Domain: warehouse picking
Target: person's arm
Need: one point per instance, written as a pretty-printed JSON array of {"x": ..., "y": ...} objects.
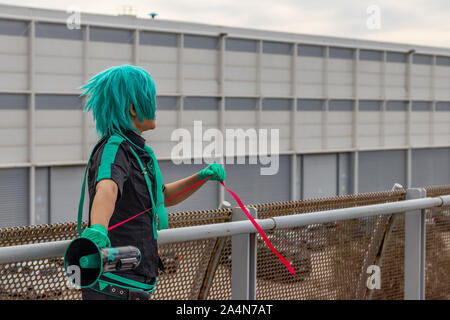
[
  {"x": 104, "y": 202},
  {"x": 216, "y": 171},
  {"x": 177, "y": 186},
  {"x": 102, "y": 209}
]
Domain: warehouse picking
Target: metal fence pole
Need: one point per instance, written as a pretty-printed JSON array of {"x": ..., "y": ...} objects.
[
  {"x": 243, "y": 260},
  {"x": 415, "y": 249}
]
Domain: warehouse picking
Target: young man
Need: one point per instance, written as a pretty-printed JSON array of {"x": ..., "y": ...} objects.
[{"x": 124, "y": 179}]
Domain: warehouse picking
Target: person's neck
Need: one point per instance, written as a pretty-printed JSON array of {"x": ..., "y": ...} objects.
[{"x": 137, "y": 131}]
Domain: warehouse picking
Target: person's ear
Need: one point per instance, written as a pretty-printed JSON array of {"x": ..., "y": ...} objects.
[{"x": 132, "y": 111}]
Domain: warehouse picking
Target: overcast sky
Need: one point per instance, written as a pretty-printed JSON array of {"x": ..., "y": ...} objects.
[{"x": 423, "y": 22}]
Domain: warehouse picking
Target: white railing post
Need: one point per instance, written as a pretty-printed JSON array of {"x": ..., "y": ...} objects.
[
  {"x": 243, "y": 260},
  {"x": 415, "y": 248}
]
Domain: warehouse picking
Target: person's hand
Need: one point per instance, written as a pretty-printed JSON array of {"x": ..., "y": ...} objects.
[
  {"x": 216, "y": 170},
  {"x": 97, "y": 234}
]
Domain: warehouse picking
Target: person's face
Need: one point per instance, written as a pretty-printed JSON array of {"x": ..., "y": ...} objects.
[{"x": 146, "y": 124}]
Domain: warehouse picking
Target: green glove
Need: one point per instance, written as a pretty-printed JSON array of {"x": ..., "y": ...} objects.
[
  {"x": 216, "y": 170},
  {"x": 97, "y": 234}
]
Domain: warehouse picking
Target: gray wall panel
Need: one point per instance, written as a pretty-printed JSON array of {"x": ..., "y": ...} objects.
[
  {"x": 204, "y": 198},
  {"x": 422, "y": 59},
  {"x": 310, "y": 104},
  {"x": 242, "y": 45},
  {"x": 320, "y": 174},
  {"x": 201, "y": 103},
  {"x": 380, "y": 170},
  {"x": 13, "y": 101},
  {"x": 396, "y": 105},
  {"x": 42, "y": 203},
  {"x": 241, "y": 103},
  {"x": 341, "y": 53},
  {"x": 277, "y": 48},
  {"x": 430, "y": 167},
  {"x": 163, "y": 39},
  {"x": 201, "y": 42},
  {"x": 14, "y": 197},
  {"x": 442, "y": 106},
  {"x": 396, "y": 57},
  {"x": 166, "y": 103},
  {"x": 443, "y": 61},
  {"x": 298, "y": 183},
  {"x": 371, "y": 55},
  {"x": 111, "y": 35},
  {"x": 421, "y": 106},
  {"x": 58, "y": 102},
  {"x": 310, "y": 50},
  {"x": 58, "y": 31},
  {"x": 345, "y": 173},
  {"x": 13, "y": 27},
  {"x": 247, "y": 182},
  {"x": 276, "y": 104},
  {"x": 370, "y": 105},
  {"x": 341, "y": 105},
  {"x": 65, "y": 188}
]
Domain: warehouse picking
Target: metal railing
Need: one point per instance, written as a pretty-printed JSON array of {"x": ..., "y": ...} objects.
[{"x": 247, "y": 255}]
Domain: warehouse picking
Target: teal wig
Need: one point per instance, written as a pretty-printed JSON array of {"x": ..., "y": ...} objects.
[{"x": 111, "y": 92}]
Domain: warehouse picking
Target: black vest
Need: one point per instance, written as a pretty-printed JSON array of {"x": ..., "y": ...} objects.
[{"x": 132, "y": 199}]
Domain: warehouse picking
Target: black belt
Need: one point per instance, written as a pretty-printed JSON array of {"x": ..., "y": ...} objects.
[{"x": 122, "y": 293}]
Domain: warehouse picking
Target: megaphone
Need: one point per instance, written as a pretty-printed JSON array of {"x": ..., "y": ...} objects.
[{"x": 85, "y": 262}]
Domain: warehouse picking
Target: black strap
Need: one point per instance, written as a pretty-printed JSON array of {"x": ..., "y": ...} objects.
[{"x": 122, "y": 293}]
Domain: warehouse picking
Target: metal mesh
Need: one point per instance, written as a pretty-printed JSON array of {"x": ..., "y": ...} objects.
[
  {"x": 220, "y": 288},
  {"x": 45, "y": 279},
  {"x": 391, "y": 261},
  {"x": 330, "y": 259},
  {"x": 42, "y": 279},
  {"x": 437, "y": 249},
  {"x": 186, "y": 269}
]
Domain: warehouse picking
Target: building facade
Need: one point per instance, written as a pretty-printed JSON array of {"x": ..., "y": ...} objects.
[{"x": 353, "y": 116}]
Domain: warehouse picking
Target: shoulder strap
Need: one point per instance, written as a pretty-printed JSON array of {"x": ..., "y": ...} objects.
[
  {"x": 104, "y": 170},
  {"x": 83, "y": 188},
  {"x": 129, "y": 282},
  {"x": 163, "y": 219},
  {"x": 108, "y": 156},
  {"x": 81, "y": 202}
]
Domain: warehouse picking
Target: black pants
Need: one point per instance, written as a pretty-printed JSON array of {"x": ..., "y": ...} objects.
[{"x": 89, "y": 294}]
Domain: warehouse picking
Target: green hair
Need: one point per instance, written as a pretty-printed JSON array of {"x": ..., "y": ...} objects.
[{"x": 111, "y": 92}]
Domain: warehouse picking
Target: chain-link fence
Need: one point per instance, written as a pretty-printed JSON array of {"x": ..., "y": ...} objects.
[
  {"x": 330, "y": 259},
  {"x": 437, "y": 252}
]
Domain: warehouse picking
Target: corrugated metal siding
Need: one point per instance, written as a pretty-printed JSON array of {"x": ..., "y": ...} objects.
[
  {"x": 380, "y": 170},
  {"x": 207, "y": 197},
  {"x": 430, "y": 167},
  {"x": 319, "y": 176},
  {"x": 252, "y": 187},
  {"x": 65, "y": 188},
  {"x": 14, "y": 197},
  {"x": 42, "y": 202}
]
